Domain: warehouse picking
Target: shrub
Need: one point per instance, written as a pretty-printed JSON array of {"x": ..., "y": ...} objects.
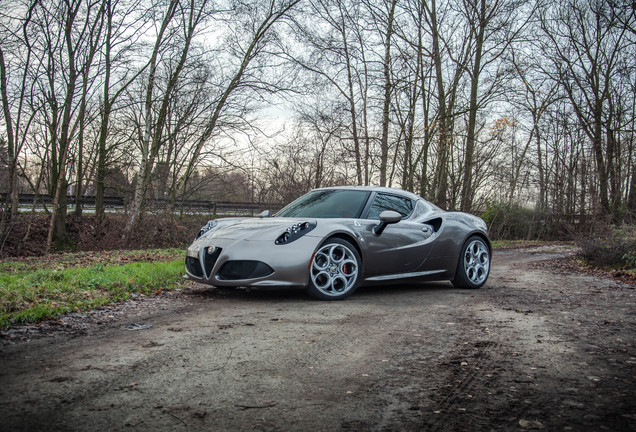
[
  {"x": 28, "y": 236},
  {"x": 515, "y": 222},
  {"x": 614, "y": 248}
]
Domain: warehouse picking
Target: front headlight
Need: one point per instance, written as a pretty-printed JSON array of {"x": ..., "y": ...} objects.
[
  {"x": 294, "y": 232},
  {"x": 207, "y": 227}
]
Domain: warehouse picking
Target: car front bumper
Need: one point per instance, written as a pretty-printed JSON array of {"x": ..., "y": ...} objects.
[{"x": 224, "y": 262}]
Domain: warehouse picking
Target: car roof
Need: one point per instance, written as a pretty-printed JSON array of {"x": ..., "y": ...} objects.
[{"x": 376, "y": 189}]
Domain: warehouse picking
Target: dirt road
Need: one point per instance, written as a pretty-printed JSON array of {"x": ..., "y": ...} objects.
[{"x": 533, "y": 349}]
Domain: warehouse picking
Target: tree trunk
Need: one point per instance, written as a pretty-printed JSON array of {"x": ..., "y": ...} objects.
[
  {"x": 388, "y": 87},
  {"x": 11, "y": 200},
  {"x": 441, "y": 166},
  {"x": 57, "y": 228},
  {"x": 631, "y": 200},
  {"x": 467, "y": 188},
  {"x": 601, "y": 168},
  {"x": 150, "y": 142},
  {"x": 351, "y": 97}
]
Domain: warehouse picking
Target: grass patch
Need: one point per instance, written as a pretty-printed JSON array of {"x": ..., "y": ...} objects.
[
  {"x": 510, "y": 244},
  {"x": 62, "y": 261},
  {"x": 29, "y": 295}
]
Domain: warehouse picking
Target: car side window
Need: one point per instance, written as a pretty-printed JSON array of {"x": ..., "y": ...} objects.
[{"x": 383, "y": 202}]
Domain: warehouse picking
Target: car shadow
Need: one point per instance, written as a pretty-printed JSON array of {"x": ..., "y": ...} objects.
[
  {"x": 271, "y": 294},
  {"x": 290, "y": 294},
  {"x": 404, "y": 288}
]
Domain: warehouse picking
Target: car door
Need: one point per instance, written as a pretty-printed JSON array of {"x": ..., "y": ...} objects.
[{"x": 403, "y": 246}]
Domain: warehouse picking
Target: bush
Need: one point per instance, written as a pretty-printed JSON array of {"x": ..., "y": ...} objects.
[
  {"x": 516, "y": 222},
  {"x": 509, "y": 222},
  {"x": 614, "y": 248},
  {"x": 27, "y": 236}
]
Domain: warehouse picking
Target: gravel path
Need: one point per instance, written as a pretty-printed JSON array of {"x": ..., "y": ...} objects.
[{"x": 534, "y": 349}]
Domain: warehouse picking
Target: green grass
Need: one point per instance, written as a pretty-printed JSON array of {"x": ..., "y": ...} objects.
[
  {"x": 508, "y": 244},
  {"x": 29, "y": 295},
  {"x": 89, "y": 259}
]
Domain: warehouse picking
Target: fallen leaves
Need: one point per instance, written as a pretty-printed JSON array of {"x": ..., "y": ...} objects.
[{"x": 574, "y": 264}]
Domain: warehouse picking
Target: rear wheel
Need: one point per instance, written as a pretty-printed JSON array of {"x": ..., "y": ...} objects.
[
  {"x": 474, "y": 264},
  {"x": 335, "y": 270}
]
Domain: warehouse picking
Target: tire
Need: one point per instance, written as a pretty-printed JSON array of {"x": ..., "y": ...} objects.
[
  {"x": 473, "y": 266},
  {"x": 335, "y": 270}
]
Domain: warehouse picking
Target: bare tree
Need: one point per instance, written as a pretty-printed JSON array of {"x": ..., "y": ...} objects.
[
  {"x": 14, "y": 110},
  {"x": 535, "y": 98},
  {"x": 68, "y": 13},
  {"x": 585, "y": 43},
  {"x": 153, "y": 136},
  {"x": 446, "y": 98},
  {"x": 119, "y": 38},
  {"x": 310, "y": 158},
  {"x": 495, "y": 27},
  {"x": 94, "y": 28},
  {"x": 333, "y": 54},
  {"x": 388, "y": 89},
  {"x": 256, "y": 43},
  {"x": 413, "y": 84}
]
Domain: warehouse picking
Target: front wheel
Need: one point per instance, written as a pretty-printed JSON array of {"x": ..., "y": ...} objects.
[
  {"x": 335, "y": 270},
  {"x": 474, "y": 264}
]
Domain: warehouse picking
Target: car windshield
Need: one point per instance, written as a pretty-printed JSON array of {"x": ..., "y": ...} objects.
[{"x": 327, "y": 203}]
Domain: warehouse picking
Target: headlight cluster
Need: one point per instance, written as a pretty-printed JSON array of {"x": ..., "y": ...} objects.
[
  {"x": 207, "y": 227},
  {"x": 294, "y": 232}
]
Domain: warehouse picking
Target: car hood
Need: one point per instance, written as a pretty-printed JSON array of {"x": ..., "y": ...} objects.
[{"x": 254, "y": 229}]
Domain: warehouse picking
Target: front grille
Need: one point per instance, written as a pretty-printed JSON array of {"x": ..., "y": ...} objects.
[
  {"x": 209, "y": 259},
  {"x": 237, "y": 270},
  {"x": 194, "y": 267}
]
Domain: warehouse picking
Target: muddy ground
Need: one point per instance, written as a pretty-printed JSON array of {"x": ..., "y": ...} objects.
[{"x": 536, "y": 348}]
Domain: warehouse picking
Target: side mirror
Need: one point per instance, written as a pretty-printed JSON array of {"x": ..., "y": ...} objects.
[
  {"x": 264, "y": 214},
  {"x": 386, "y": 217}
]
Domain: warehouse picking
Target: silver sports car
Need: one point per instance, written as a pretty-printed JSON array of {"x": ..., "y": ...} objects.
[{"x": 333, "y": 240}]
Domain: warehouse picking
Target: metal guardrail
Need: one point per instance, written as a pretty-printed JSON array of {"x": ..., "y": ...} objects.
[
  {"x": 27, "y": 199},
  {"x": 213, "y": 207}
]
